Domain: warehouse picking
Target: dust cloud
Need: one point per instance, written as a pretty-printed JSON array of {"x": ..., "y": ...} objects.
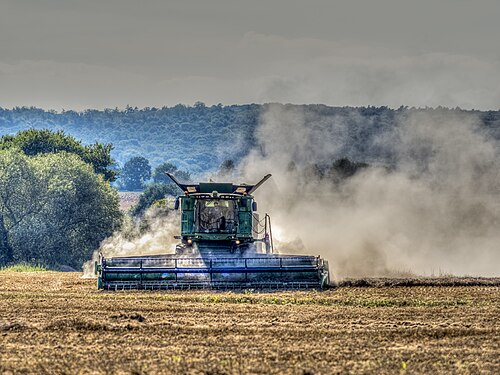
[
  {"x": 151, "y": 235},
  {"x": 429, "y": 207}
]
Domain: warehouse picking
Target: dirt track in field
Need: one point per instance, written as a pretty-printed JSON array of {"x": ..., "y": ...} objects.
[{"x": 59, "y": 323}]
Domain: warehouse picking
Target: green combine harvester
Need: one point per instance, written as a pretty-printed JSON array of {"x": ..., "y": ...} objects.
[{"x": 224, "y": 244}]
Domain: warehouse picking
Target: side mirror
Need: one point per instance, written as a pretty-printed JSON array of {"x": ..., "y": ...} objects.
[
  {"x": 254, "y": 206},
  {"x": 176, "y": 204}
]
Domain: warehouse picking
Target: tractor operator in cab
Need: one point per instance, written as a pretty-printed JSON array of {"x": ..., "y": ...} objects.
[{"x": 214, "y": 215}]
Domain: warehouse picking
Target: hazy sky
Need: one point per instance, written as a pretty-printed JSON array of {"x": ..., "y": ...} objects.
[{"x": 104, "y": 53}]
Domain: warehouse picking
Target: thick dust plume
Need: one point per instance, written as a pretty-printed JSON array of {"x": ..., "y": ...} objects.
[
  {"x": 430, "y": 207},
  {"x": 151, "y": 235}
]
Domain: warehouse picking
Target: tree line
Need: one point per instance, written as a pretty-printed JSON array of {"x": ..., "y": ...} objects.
[{"x": 199, "y": 138}]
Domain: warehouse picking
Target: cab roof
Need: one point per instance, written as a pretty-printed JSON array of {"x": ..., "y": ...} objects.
[{"x": 220, "y": 187}]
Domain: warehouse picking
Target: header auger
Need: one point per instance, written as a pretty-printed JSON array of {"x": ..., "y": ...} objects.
[{"x": 223, "y": 245}]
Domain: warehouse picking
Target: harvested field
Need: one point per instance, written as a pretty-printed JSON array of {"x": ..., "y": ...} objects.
[
  {"x": 128, "y": 199},
  {"x": 59, "y": 323}
]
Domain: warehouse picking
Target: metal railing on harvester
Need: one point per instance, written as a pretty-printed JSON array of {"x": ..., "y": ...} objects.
[{"x": 274, "y": 272}]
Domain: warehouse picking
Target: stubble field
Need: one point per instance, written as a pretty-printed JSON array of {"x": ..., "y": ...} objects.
[{"x": 59, "y": 323}]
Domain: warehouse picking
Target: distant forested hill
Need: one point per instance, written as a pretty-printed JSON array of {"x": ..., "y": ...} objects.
[
  {"x": 197, "y": 138},
  {"x": 193, "y": 138}
]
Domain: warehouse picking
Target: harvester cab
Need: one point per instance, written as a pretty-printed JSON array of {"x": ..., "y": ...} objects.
[
  {"x": 219, "y": 219},
  {"x": 224, "y": 244}
]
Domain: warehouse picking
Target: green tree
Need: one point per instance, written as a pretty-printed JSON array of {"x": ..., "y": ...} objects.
[
  {"x": 34, "y": 142},
  {"x": 54, "y": 209},
  {"x": 151, "y": 194},
  {"x": 135, "y": 173},
  {"x": 20, "y": 187},
  {"x": 160, "y": 173}
]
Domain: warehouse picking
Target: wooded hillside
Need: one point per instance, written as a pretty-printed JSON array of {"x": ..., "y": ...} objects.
[{"x": 199, "y": 138}]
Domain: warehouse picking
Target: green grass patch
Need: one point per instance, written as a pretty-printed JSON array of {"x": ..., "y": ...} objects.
[{"x": 24, "y": 267}]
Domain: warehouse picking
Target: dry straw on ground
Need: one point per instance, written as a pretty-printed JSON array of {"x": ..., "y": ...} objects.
[{"x": 60, "y": 323}]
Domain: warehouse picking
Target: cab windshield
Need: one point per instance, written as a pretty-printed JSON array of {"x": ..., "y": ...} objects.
[{"x": 215, "y": 216}]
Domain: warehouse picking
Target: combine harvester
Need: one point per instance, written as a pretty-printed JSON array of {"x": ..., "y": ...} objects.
[{"x": 223, "y": 245}]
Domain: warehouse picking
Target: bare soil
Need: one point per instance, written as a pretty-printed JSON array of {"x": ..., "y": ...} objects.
[{"x": 58, "y": 323}]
